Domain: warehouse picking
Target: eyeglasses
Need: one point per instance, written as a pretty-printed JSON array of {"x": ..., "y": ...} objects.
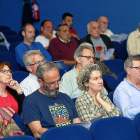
[
  {"x": 6, "y": 71},
  {"x": 88, "y": 57},
  {"x": 52, "y": 84},
  {"x": 138, "y": 68},
  {"x": 104, "y": 22},
  {"x": 37, "y": 62}
]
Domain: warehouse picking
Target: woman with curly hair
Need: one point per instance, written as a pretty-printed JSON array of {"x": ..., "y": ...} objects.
[{"x": 93, "y": 103}]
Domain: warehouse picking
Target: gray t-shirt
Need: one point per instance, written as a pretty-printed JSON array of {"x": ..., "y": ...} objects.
[{"x": 99, "y": 47}]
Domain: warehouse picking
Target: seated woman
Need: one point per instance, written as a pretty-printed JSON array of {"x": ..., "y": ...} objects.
[
  {"x": 93, "y": 103},
  {"x": 11, "y": 94}
]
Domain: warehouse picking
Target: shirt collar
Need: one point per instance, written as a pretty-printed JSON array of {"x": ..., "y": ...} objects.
[
  {"x": 63, "y": 40},
  {"x": 33, "y": 77}
]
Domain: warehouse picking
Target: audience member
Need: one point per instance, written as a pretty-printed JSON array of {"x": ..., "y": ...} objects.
[
  {"x": 103, "y": 26},
  {"x": 46, "y": 107},
  {"x": 83, "y": 56},
  {"x": 11, "y": 94},
  {"x": 28, "y": 33},
  {"x": 101, "y": 43},
  {"x": 133, "y": 42},
  {"x": 127, "y": 94},
  {"x": 63, "y": 47},
  {"x": 67, "y": 18},
  {"x": 31, "y": 60},
  {"x": 47, "y": 33},
  {"x": 93, "y": 103},
  {"x": 3, "y": 41}
]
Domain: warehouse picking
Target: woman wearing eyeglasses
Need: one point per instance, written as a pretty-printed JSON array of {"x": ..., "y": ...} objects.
[
  {"x": 11, "y": 94},
  {"x": 93, "y": 103}
]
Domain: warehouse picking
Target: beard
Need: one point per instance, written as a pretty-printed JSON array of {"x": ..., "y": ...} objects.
[
  {"x": 49, "y": 92},
  {"x": 103, "y": 29}
]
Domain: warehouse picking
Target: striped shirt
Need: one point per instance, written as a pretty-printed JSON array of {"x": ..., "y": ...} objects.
[{"x": 29, "y": 84}]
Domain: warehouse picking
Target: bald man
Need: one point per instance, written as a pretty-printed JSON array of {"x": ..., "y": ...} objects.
[
  {"x": 103, "y": 26},
  {"x": 101, "y": 43}
]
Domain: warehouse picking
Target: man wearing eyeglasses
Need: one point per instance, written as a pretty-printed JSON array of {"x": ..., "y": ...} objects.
[
  {"x": 101, "y": 43},
  {"x": 31, "y": 60},
  {"x": 83, "y": 56},
  {"x": 127, "y": 95},
  {"x": 103, "y": 26},
  {"x": 47, "y": 107}
]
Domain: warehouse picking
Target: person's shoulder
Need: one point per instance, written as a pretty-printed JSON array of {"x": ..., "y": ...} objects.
[
  {"x": 19, "y": 45},
  {"x": 32, "y": 96},
  {"x": 85, "y": 39},
  {"x": 104, "y": 36},
  {"x": 133, "y": 33},
  {"x": 38, "y": 37},
  {"x": 69, "y": 74}
]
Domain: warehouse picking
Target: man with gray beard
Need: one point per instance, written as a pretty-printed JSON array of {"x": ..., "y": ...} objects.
[
  {"x": 63, "y": 47},
  {"x": 47, "y": 107}
]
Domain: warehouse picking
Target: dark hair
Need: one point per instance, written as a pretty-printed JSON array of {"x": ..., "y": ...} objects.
[
  {"x": 65, "y": 15},
  {"x": 43, "y": 22},
  {"x": 2, "y": 64},
  {"x": 58, "y": 28},
  {"x": 24, "y": 27}
]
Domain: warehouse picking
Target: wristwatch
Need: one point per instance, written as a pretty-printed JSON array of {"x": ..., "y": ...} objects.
[{"x": 20, "y": 93}]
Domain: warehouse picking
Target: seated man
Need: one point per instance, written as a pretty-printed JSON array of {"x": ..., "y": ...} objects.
[
  {"x": 31, "y": 60},
  {"x": 101, "y": 43},
  {"x": 133, "y": 42},
  {"x": 83, "y": 56},
  {"x": 46, "y": 107},
  {"x": 28, "y": 32},
  {"x": 67, "y": 18},
  {"x": 63, "y": 47},
  {"x": 103, "y": 26},
  {"x": 127, "y": 95},
  {"x": 47, "y": 33}
]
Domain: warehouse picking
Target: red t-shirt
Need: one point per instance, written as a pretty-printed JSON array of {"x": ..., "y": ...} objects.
[
  {"x": 73, "y": 31},
  {"x": 9, "y": 101}
]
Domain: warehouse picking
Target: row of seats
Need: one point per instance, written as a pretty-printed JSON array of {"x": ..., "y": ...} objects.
[{"x": 113, "y": 128}]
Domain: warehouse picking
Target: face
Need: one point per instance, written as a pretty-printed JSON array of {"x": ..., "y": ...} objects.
[
  {"x": 36, "y": 60},
  {"x": 47, "y": 28},
  {"x": 134, "y": 72},
  {"x": 85, "y": 60},
  {"x": 95, "y": 82},
  {"x": 64, "y": 33},
  {"x": 29, "y": 34},
  {"x": 5, "y": 78},
  {"x": 94, "y": 29},
  {"x": 103, "y": 23},
  {"x": 49, "y": 78},
  {"x": 69, "y": 21}
]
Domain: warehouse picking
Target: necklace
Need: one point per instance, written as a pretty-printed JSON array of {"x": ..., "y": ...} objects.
[{"x": 5, "y": 101}]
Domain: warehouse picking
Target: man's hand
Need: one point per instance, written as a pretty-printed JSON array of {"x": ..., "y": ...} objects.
[
  {"x": 75, "y": 36},
  {"x": 102, "y": 58},
  {"x": 112, "y": 57}
]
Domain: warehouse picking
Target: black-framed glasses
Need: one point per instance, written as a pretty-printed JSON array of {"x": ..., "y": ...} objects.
[
  {"x": 138, "y": 68},
  {"x": 6, "y": 71},
  {"x": 88, "y": 57},
  {"x": 37, "y": 62},
  {"x": 52, "y": 84}
]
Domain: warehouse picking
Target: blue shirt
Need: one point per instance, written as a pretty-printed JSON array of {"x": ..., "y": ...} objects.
[
  {"x": 127, "y": 98},
  {"x": 50, "y": 111},
  {"x": 22, "y": 48}
]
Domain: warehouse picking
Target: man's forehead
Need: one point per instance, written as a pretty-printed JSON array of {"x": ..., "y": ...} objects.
[
  {"x": 68, "y": 17},
  {"x": 64, "y": 27},
  {"x": 48, "y": 23},
  {"x": 87, "y": 52},
  {"x": 136, "y": 62}
]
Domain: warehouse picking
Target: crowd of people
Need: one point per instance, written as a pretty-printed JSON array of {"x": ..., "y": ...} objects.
[{"x": 45, "y": 100}]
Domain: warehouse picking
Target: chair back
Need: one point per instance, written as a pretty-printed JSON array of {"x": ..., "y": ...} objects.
[
  {"x": 137, "y": 124},
  {"x": 121, "y": 76},
  {"x": 2, "y": 28},
  {"x": 113, "y": 128},
  {"x": 115, "y": 65},
  {"x": 69, "y": 132},
  {"x": 3, "y": 48},
  {"x": 10, "y": 58},
  {"x": 14, "y": 38},
  {"x": 9, "y": 33},
  {"x": 110, "y": 95},
  {"x": 13, "y": 46},
  {"x": 20, "y": 75},
  {"x": 111, "y": 81}
]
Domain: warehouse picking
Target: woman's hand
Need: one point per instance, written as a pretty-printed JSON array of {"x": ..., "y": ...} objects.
[{"x": 14, "y": 85}]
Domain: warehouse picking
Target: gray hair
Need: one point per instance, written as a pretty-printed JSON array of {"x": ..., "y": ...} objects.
[
  {"x": 84, "y": 75},
  {"x": 80, "y": 49},
  {"x": 44, "y": 66},
  {"x": 129, "y": 61},
  {"x": 27, "y": 56},
  {"x": 88, "y": 26}
]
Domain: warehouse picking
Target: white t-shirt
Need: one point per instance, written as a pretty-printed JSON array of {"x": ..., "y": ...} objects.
[{"x": 43, "y": 40}]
